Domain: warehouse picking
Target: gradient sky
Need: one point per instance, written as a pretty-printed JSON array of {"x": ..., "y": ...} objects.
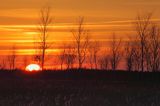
[
  {"x": 25, "y": 11},
  {"x": 101, "y": 12},
  {"x": 19, "y": 18}
]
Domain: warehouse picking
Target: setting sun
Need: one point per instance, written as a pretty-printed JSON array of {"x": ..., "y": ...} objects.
[{"x": 33, "y": 67}]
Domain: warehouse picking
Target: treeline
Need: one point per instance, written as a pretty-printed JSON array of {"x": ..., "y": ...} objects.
[{"x": 141, "y": 52}]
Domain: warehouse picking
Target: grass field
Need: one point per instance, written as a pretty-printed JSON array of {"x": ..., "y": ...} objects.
[{"x": 79, "y": 88}]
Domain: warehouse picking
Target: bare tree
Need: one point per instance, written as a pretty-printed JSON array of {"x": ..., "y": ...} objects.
[
  {"x": 25, "y": 61},
  {"x": 70, "y": 56},
  {"x": 142, "y": 25},
  {"x": 12, "y": 58},
  {"x": 133, "y": 55},
  {"x": 136, "y": 57},
  {"x": 44, "y": 23},
  {"x": 61, "y": 56},
  {"x": 3, "y": 64},
  {"x": 152, "y": 49},
  {"x": 115, "y": 52},
  {"x": 67, "y": 56},
  {"x": 94, "y": 48},
  {"x": 81, "y": 37},
  {"x": 91, "y": 58},
  {"x": 104, "y": 62},
  {"x": 130, "y": 55}
]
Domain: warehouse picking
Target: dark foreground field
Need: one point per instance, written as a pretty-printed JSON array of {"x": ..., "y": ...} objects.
[{"x": 79, "y": 88}]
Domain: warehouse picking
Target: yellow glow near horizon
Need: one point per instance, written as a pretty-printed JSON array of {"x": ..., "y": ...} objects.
[{"x": 33, "y": 67}]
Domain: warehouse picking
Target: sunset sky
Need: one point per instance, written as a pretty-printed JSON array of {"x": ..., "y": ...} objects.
[{"x": 19, "y": 18}]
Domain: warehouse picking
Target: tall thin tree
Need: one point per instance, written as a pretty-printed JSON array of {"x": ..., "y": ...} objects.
[
  {"x": 115, "y": 52},
  {"x": 44, "y": 23},
  {"x": 81, "y": 37},
  {"x": 142, "y": 24}
]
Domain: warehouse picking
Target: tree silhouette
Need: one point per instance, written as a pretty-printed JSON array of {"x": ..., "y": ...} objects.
[
  {"x": 81, "y": 37},
  {"x": 115, "y": 52},
  {"x": 70, "y": 56},
  {"x": 152, "y": 48},
  {"x": 12, "y": 58},
  {"x": 104, "y": 62},
  {"x": 3, "y": 64},
  {"x": 25, "y": 61},
  {"x": 61, "y": 56},
  {"x": 44, "y": 23},
  {"x": 130, "y": 55},
  {"x": 94, "y": 48},
  {"x": 142, "y": 25}
]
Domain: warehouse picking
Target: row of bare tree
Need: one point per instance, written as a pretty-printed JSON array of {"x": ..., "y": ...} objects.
[
  {"x": 139, "y": 53},
  {"x": 10, "y": 60},
  {"x": 143, "y": 52}
]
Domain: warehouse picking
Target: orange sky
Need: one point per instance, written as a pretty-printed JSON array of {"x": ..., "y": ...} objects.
[{"x": 19, "y": 18}]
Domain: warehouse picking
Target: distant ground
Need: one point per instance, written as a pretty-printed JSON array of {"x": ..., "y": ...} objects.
[{"x": 79, "y": 88}]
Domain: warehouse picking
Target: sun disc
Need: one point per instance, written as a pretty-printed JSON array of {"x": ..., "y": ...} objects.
[{"x": 33, "y": 67}]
